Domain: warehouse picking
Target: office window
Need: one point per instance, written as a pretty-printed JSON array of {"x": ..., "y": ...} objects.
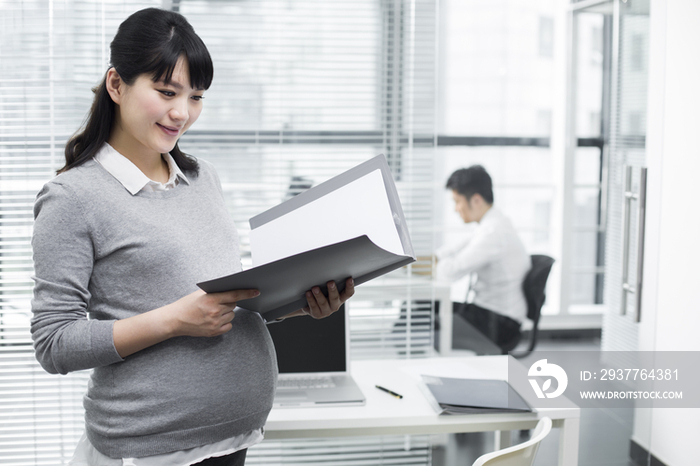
[
  {"x": 302, "y": 91},
  {"x": 544, "y": 123},
  {"x": 636, "y": 125},
  {"x": 594, "y": 119},
  {"x": 496, "y": 110},
  {"x": 597, "y": 44},
  {"x": 51, "y": 54},
  {"x": 546, "y": 36},
  {"x": 586, "y": 238},
  {"x": 637, "y": 52},
  {"x": 305, "y": 90}
]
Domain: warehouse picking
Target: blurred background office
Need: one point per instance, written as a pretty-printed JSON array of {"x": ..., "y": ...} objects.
[{"x": 552, "y": 97}]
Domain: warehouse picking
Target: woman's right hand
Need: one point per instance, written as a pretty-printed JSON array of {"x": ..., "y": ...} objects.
[
  {"x": 198, "y": 314},
  {"x": 201, "y": 314}
]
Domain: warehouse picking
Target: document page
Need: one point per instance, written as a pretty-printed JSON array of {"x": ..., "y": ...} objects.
[
  {"x": 349, "y": 226},
  {"x": 361, "y": 207}
]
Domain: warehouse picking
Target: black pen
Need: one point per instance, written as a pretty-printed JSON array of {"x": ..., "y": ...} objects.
[{"x": 389, "y": 392}]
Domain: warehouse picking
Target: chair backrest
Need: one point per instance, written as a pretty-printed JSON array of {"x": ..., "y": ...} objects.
[
  {"x": 534, "y": 284},
  {"x": 518, "y": 455},
  {"x": 533, "y": 287}
]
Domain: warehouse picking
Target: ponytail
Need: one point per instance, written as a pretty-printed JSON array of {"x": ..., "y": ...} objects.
[{"x": 84, "y": 145}]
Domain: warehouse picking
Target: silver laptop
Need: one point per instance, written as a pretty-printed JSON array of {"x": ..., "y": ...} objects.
[{"x": 313, "y": 357}]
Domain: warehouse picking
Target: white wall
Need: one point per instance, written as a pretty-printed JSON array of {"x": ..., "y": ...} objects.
[{"x": 671, "y": 308}]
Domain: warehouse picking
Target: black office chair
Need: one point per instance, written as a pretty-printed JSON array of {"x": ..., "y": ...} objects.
[{"x": 533, "y": 287}]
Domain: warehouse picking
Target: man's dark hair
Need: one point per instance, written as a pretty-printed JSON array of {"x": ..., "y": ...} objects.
[{"x": 470, "y": 181}]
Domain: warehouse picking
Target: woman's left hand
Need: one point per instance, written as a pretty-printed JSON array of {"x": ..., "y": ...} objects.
[{"x": 320, "y": 306}]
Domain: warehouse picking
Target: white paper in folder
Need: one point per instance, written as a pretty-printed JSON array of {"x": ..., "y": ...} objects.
[
  {"x": 349, "y": 226},
  {"x": 360, "y": 207}
]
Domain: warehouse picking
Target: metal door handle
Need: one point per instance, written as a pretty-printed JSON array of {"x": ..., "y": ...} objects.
[
  {"x": 642, "y": 205},
  {"x": 627, "y": 209}
]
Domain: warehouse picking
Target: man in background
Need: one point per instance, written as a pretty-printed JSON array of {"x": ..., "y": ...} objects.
[{"x": 494, "y": 253}]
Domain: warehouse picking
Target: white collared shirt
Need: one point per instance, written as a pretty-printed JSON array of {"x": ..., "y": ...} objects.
[
  {"x": 495, "y": 253},
  {"x": 131, "y": 177},
  {"x": 135, "y": 181}
]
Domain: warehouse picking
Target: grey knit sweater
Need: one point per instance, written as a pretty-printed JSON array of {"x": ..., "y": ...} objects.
[{"x": 101, "y": 254}]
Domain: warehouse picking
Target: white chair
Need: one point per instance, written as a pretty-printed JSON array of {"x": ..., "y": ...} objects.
[{"x": 518, "y": 455}]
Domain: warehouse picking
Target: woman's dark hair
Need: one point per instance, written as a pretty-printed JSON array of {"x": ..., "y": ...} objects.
[
  {"x": 470, "y": 181},
  {"x": 150, "y": 41}
]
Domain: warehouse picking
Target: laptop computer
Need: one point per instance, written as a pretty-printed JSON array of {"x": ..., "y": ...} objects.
[{"x": 313, "y": 357}]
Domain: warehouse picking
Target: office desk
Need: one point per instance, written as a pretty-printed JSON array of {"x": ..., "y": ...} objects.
[{"x": 386, "y": 415}]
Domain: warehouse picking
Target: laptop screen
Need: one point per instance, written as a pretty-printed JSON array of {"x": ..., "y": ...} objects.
[{"x": 304, "y": 344}]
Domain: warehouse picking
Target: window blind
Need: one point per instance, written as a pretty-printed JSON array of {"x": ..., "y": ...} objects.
[
  {"x": 50, "y": 56},
  {"x": 399, "y": 450},
  {"x": 627, "y": 147},
  {"x": 303, "y": 90}
]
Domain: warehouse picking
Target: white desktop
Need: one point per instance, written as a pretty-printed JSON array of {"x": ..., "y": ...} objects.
[{"x": 384, "y": 414}]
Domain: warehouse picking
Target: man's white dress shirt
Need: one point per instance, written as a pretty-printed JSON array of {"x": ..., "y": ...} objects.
[
  {"x": 133, "y": 179},
  {"x": 495, "y": 253}
]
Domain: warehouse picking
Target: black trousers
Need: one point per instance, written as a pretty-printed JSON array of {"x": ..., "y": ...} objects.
[
  {"x": 502, "y": 330},
  {"x": 234, "y": 459}
]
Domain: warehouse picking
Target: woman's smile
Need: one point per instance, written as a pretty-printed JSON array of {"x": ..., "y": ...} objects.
[{"x": 173, "y": 131}]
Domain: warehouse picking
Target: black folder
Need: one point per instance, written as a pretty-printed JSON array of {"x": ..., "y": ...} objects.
[
  {"x": 284, "y": 282},
  {"x": 473, "y": 396}
]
